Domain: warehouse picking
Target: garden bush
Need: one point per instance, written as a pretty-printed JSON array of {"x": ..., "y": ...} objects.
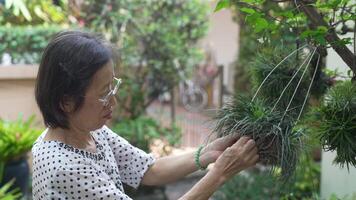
[{"x": 25, "y": 44}]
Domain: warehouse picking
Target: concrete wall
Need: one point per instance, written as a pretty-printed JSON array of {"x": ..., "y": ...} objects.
[{"x": 17, "y": 92}]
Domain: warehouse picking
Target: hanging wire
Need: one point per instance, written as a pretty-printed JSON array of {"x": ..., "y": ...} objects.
[
  {"x": 296, "y": 89},
  {"x": 295, "y": 74},
  {"x": 308, "y": 92},
  {"x": 269, "y": 74}
]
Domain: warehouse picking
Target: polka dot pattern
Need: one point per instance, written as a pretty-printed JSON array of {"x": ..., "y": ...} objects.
[{"x": 61, "y": 171}]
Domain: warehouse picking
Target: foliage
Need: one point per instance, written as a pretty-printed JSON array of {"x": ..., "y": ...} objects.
[
  {"x": 286, "y": 16},
  {"x": 281, "y": 78},
  {"x": 142, "y": 130},
  {"x": 252, "y": 186},
  {"x": 6, "y": 194},
  {"x": 34, "y": 12},
  {"x": 337, "y": 123},
  {"x": 316, "y": 22},
  {"x": 290, "y": 81},
  {"x": 346, "y": 197},
  {"x": 251, "y": 42},
  {"x": 277, "y": 140},
  {"x": 25, "y": 44},
  {"x": 16, "y": 138},
  {"x": 152, "y": 36},
  {"x": 306, "y": 183},
  {"x": 256, "y": 185}
]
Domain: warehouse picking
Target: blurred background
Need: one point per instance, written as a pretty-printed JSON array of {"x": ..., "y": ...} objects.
[{"x": 180, "y": 61}]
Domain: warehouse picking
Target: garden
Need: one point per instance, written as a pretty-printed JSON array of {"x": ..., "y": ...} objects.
[{"x": 288, "y": 93}]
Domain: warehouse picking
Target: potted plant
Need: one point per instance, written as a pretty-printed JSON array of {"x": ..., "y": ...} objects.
[
  {"x": 16, "y": 139},
  {"x": 9, "y": 194}
]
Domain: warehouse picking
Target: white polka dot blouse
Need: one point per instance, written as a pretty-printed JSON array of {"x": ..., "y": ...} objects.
[{"x": 61, "y": 171}]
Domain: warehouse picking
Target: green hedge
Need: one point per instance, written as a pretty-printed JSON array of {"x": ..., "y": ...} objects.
[{"x": 25, "y": 44}]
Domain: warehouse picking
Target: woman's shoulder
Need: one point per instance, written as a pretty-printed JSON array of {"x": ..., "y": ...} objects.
[{"x": 108, "y": 135}]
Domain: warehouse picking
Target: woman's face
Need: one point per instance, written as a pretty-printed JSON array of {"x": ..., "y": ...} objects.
[{"x": 93, "y": 114}]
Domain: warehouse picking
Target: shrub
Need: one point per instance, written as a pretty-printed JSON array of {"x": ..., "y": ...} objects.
[
  {"x": 262, "y": 185},
  {"x": 25, "y": 44}
]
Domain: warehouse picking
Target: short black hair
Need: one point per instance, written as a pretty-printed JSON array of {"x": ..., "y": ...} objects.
[{"x": 67, "y": 67}]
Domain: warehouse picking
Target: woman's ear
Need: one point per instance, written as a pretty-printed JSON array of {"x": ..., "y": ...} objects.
[{"x": 67, "y": 104}]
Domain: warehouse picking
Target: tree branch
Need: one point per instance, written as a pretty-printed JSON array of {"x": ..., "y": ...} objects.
[{"x": 317, "y": 20}]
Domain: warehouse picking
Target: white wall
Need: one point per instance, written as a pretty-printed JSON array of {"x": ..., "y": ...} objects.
[
  {"x": 222, "y": 38},
  {"x": 334, "y": 179}
]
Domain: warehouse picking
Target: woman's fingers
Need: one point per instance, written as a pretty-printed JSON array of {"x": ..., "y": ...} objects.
[
  {"x": 243, "y": 140},
  {"x": 252, "y": 153},
  {"x": 230, "y": 139},
  {"x": 250, "y": 144}
]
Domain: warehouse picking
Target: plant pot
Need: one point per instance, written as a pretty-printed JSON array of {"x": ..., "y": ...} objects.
[{"x": 20, "y": 171}]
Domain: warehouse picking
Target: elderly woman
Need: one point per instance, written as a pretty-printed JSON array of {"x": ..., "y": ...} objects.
[{"x": 78, "y": 157}]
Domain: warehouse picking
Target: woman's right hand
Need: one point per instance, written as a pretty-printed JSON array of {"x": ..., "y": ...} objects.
[{"x": 241, "y": 155}]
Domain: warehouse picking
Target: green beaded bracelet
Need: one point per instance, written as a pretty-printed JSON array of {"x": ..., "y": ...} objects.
[{"x": 197, "y": 156}]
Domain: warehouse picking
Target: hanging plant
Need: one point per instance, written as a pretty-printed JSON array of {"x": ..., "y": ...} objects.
[
  {"x": 337, "y": 123},
  {"x": 290, "y": 79},
  {"x": 281, "y": 80},
  {"x": 277, "y": 141}
]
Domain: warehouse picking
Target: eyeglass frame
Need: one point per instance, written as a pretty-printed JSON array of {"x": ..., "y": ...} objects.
[{"x": 105, "y": 100}]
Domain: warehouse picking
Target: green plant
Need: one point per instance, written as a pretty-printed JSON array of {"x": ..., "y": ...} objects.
[
  {"x": 34, "y": 12},
  {"x": 25, "y": 44},
  {"x": 142, "y": 130},
  {"x": 6, "y": 194},
  {"x": 16, "y": 138},
  {"x": 265, "y": 62},
  {"x": 260, "y": 184},
  {"x": 306, "y": 183},
  {"x": 317, "y": 22},
  {"x": 336, "y": 126},
  {"x": 152, "y": 37},
  {"x": 250, "y": 186},
  {"x": 276, "y": 138},
  {"x": 346, "y": 197}
]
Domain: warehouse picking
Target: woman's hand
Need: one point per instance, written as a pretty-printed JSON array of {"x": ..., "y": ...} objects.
[
  {"x": 241, "y": 155},
  {"x": 231, "y": 160},
  {"x": 210, "y": 153}
]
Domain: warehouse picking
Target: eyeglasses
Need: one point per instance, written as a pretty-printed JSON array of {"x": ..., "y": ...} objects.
[{"x": 106, "y": 99}]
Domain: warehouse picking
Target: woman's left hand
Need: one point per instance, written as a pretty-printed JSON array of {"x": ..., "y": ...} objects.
[{"x": 213, "y": 150}]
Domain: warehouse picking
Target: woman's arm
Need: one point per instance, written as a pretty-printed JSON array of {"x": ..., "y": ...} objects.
[
  {"x": 171, "y": 168},
  {"x": 241, "y": 155},
  {"x": 205, "y": 187}
]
